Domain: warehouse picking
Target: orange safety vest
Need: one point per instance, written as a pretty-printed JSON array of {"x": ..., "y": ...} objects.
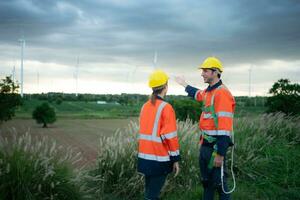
[
  {"x": 218, "y": 109},
  {"x": 158, "y": 139}
]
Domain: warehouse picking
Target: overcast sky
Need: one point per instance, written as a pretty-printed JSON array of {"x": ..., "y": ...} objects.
[{"x": 116, "y": 41}]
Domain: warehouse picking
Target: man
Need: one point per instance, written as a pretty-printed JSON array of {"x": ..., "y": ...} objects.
[{"x": 216, "y": 122}]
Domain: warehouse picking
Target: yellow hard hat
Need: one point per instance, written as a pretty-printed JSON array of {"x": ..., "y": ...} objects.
[
  {"x": 211, "y": 62},
  {"x": 158, "y": 78}
]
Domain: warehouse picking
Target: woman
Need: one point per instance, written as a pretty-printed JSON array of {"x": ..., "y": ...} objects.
[{"x": 158, "y": 143}]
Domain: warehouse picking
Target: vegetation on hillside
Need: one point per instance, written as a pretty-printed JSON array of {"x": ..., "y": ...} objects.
[{"x": 9, "y": 99}]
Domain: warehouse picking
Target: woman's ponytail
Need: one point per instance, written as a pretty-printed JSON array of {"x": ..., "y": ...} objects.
[
  {"x": 156, "y": 92},
  {"x": 153, "y": 98}
]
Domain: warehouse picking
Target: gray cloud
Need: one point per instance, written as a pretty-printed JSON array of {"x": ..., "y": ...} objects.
[
  {"x": 245, "y": 29},
  {"x": 182, "y": 32}
]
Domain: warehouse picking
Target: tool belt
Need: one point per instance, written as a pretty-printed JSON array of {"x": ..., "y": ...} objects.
[{"x": 206, "y": 140}]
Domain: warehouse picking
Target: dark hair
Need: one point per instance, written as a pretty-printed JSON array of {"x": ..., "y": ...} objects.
[
  {"x": 219, "y": 74},
  {"x": 156, "y": 91}
]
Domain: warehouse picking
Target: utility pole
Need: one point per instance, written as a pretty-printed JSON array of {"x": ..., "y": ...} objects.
[{"x": 22, "y": 41}]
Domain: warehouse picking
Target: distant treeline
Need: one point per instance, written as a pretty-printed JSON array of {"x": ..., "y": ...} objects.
[{"x": 131, "y": 99}]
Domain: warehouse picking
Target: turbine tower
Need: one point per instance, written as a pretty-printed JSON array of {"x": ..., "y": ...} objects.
[
  {"x": 38, "y": 81},
  {"x": 13, "y": 74},
  {"x": 250, "y": 70},
  {"x": 76, "y": 75},
  {"x": 22, "y": 41},
  {"x": 155, "y": 60}
]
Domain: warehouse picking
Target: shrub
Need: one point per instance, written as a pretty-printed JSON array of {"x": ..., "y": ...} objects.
[
  {"x": 44, "y": 114},
  {"x": 187, "y": 109},
  {"x": 285, "y": 97},
  {"x": 59, "y": 100}
]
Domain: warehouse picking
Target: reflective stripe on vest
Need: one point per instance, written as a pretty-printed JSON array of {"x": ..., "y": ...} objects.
[
  {"x": 157, "y": 116},
  {"x": 217, "y": 132},
  {"x": 149, "y": 137},
  {"x": 153, "y": 157},
  {"x": 169, "y": 135},
  {"x": 174, "y": 153},
  {"x": 219, "y": 114},
  {"x": 213, "y": 115},
  {"x": 211, "y": 107},
  {"x": 154, "y": 138},
  {"x": 157, "y": 139}
]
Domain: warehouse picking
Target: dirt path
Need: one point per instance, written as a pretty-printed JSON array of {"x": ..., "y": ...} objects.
[{"x": 81, "y": 134}]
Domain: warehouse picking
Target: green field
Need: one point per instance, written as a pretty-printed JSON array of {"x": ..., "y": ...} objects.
[
  {"x": 92, "y": 110},
  {"x": 81, "y": 110}
]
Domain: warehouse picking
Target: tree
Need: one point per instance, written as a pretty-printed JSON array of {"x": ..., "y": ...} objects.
[
  {"x": 44, "y": 114},
  {"x": 9, "y": 99},
  {"x": 285, "y": 97},
  {"x": 187, "y": 109},
  {"x": 59, "y": 100}
]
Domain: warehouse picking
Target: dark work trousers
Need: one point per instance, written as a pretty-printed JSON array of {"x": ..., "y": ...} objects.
[
  {"x": 211, "y": 178},
  {"x": 153, "y": 185}
]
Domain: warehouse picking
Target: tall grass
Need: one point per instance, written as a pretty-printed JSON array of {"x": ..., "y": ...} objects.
[
  {"x": 116, "y": 165},
  {"x": 189, "y": 175},
  {"x": 117, "y": 158},
  {"x": 268, "y": 155},
  {"x": 266, "y": 163},
  {"x": 267, "y": 158},
  {"x": 36, "y": 169}
]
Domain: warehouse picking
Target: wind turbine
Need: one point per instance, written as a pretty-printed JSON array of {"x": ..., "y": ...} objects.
[
  {"x": 76, "y": 75},
  {"x": 22, "y": 41},
  {"x": 155, "y": 60},
  {"x": 38, "y": 81},
  {"x": 13, "y": 74},
  {"x": 250, "y": 70}
]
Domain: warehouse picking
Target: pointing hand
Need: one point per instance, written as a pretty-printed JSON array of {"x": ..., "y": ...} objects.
[{"x": 181, "y": 81}]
